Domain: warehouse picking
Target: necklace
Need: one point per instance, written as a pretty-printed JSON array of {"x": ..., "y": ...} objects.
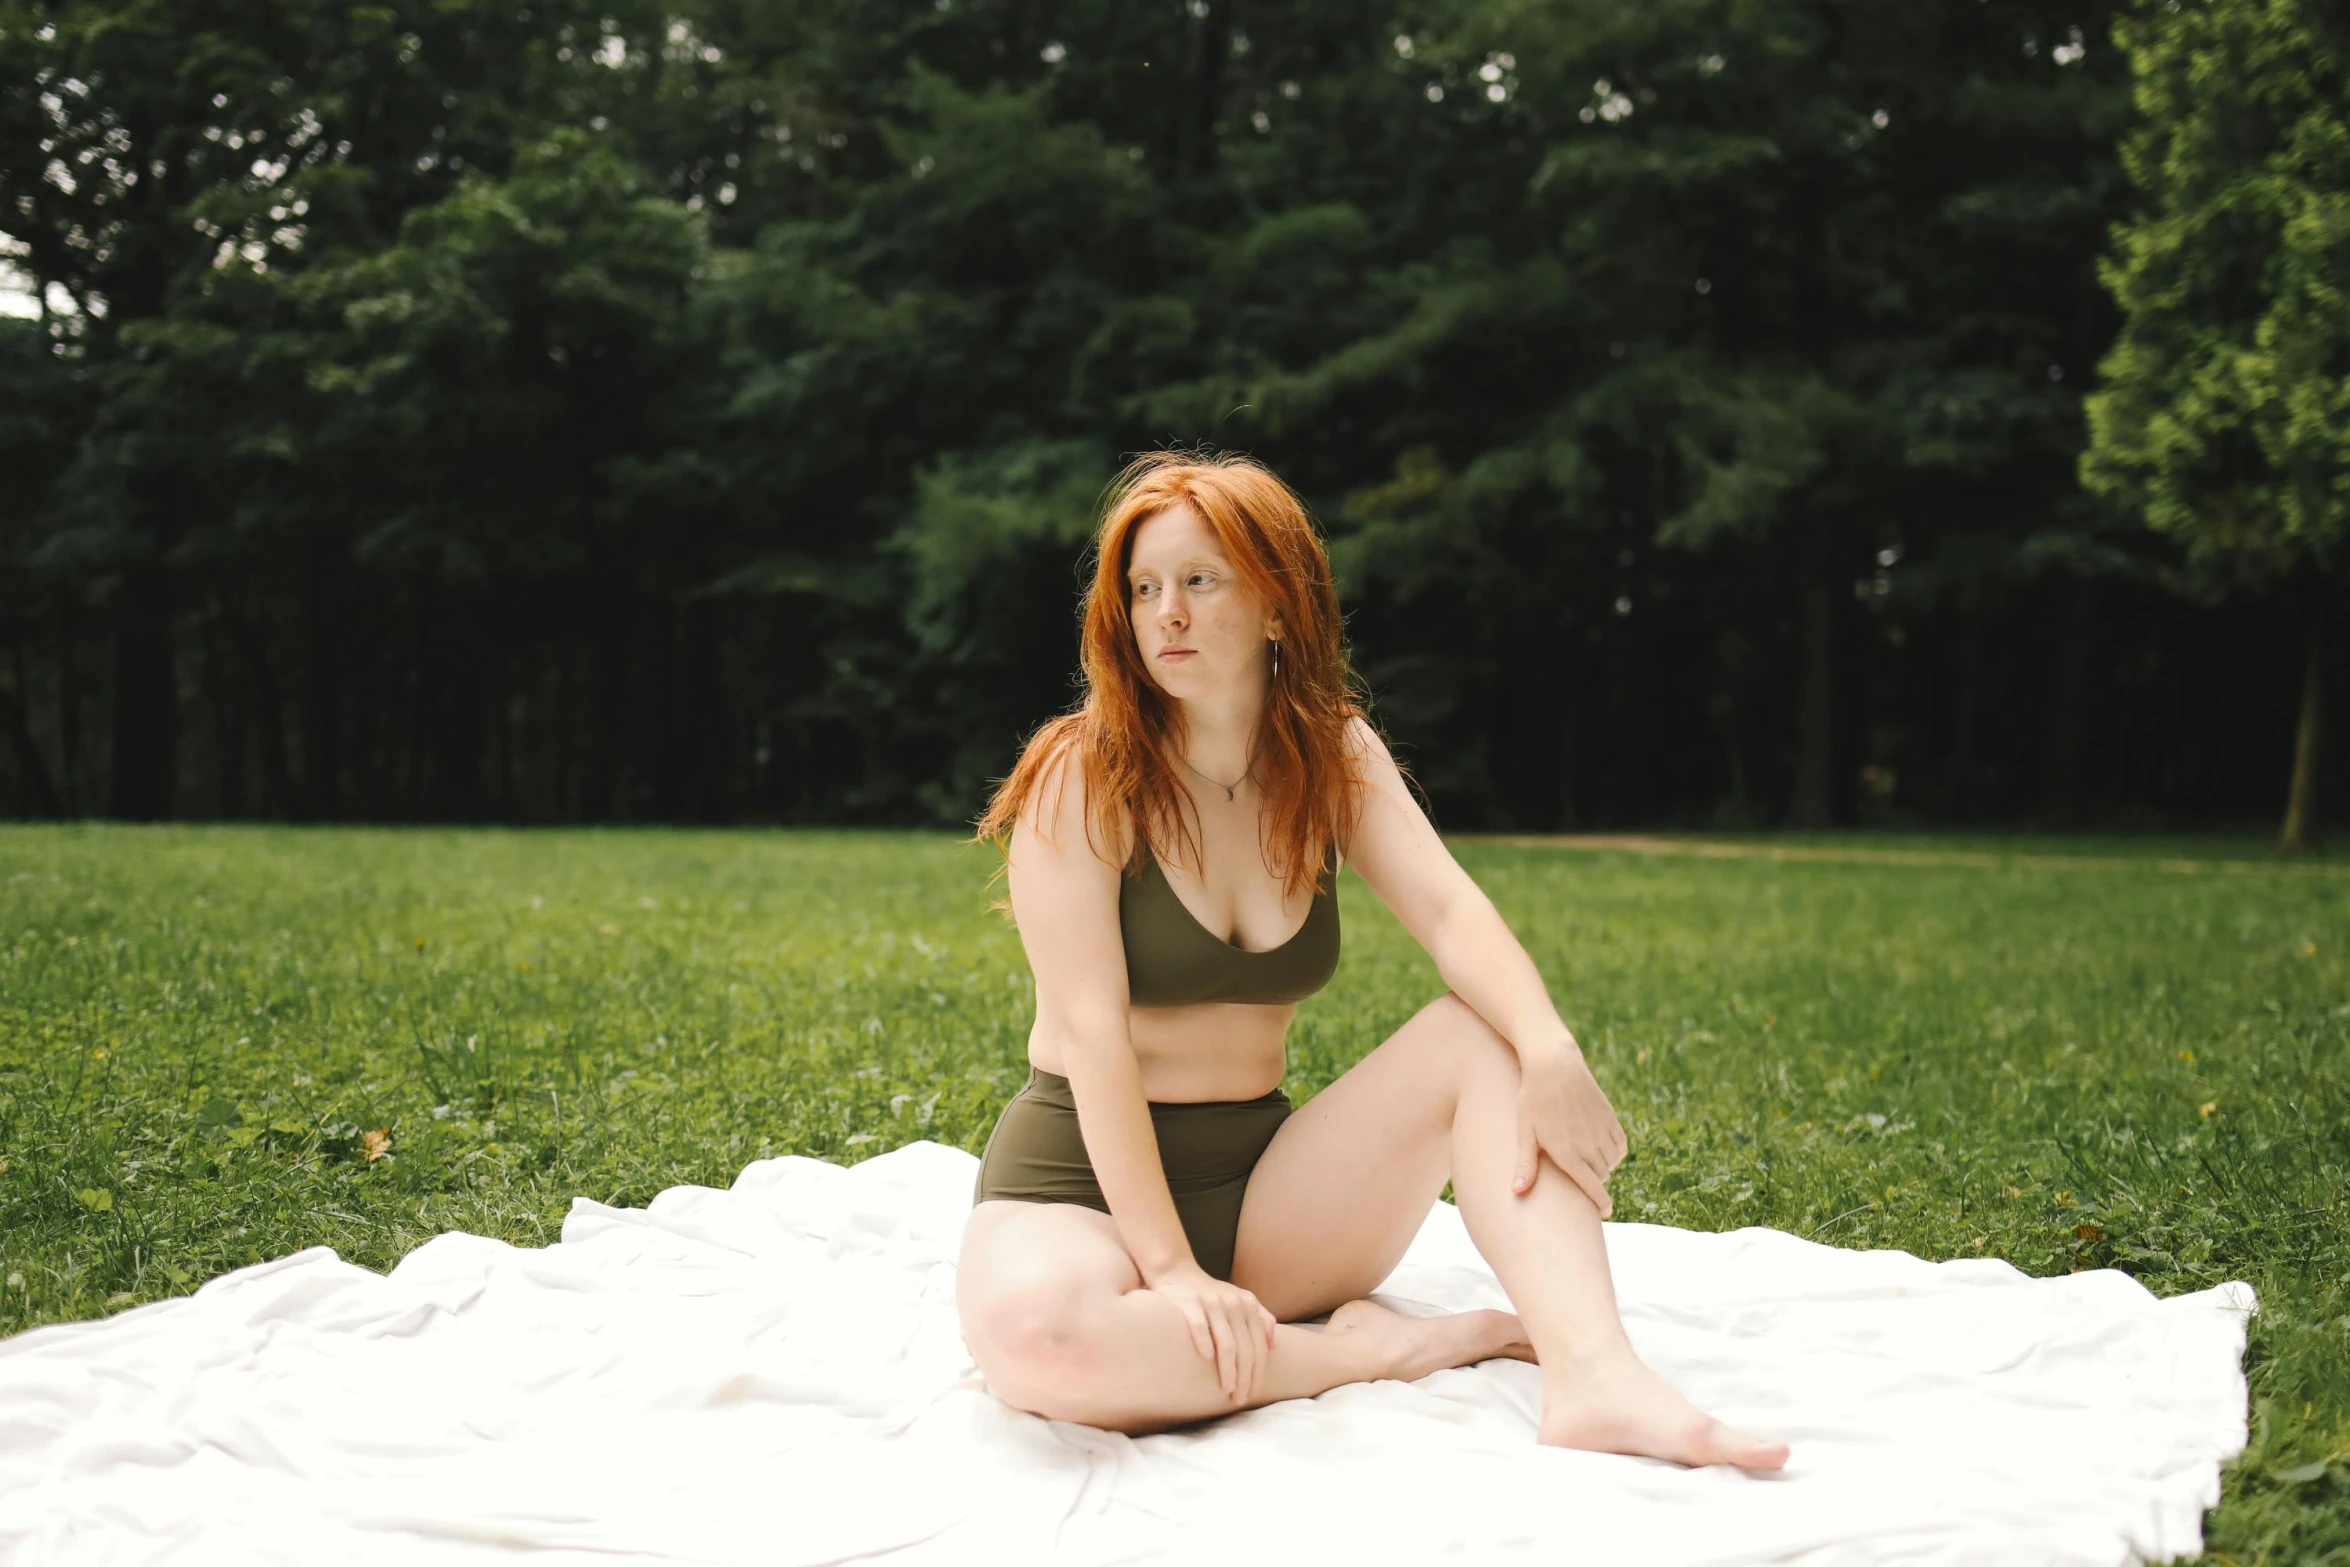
[{"x": 1204, "y": 778}]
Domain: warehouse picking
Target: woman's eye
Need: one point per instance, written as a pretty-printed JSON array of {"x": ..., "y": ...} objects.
[{"x": 1201, "y": 579}]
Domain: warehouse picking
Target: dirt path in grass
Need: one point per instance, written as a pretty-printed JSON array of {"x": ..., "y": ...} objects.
[{"x": 1707, "y": 849}]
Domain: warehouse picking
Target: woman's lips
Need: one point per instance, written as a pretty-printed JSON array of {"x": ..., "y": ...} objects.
[{"x": 1177, "y": 654}]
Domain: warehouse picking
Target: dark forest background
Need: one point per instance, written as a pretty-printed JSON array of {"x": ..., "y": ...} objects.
[{"x": 695, "y": 412}]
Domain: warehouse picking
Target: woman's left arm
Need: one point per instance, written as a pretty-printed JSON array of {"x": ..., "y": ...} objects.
[{"x": 1561, "y": 1110}]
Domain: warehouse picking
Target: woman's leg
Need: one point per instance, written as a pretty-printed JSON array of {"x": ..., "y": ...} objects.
[
  {"x": 1348, "y": 1178},
  {"x": 1061, "y": 1325}
]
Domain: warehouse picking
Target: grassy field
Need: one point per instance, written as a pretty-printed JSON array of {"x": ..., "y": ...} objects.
[{"x": 221, "y": 1045}]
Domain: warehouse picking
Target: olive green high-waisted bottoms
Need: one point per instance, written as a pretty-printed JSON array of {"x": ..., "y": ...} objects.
[{"x": 1036, "y": 1154}]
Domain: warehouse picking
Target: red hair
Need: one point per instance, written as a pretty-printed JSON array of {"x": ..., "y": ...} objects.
[{"x": 1125, "y": 734}]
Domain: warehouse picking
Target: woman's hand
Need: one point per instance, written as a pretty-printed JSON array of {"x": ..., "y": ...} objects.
[
  {"x": 1562, "y": 1113},
  {"x": 1228, "y": 1326}
]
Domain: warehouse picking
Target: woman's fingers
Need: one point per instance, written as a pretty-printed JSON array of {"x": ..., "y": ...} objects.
[
  {"x": 1586, "y": 1176},
  {"x": 1604, "y": 1198},
  {"x": 1260, "y": 1352},
  {"x": 1227, "y": 1352},
  {"x": 1233, "y": 1332},
  {"x": 1196, "y": 1319},
  {"x": 1245, "y": 1354},
  {"x": 1529, "y": 1161}
]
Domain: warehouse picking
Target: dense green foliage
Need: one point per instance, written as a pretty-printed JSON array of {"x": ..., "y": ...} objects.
[
  {"x": 2066, "y": 1054},
  {"x": 555, "y": 412},
  {"x": 2227, "y": 413},
  {"x": 2228, "y": 401}
]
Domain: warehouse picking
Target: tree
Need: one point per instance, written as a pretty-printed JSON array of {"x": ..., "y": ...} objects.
[
  {"x": 502, "y": 376},
  {"x": 149, "y": 146},
  {"x": 40, "y": 412},
  {"x": 2225, "y": 414},
  {"x": 1646, "y": 326},
  {"x": 449, "y": 408}
]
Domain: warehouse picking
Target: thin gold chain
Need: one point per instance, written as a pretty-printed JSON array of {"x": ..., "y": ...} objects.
[{"x": 1204, "y": 778}]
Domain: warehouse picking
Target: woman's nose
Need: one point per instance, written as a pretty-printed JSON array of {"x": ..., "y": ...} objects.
[{"x": 1173, "y": 612}]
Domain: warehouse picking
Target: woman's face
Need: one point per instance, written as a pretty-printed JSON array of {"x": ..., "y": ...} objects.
[{"x": 1201, "y": 630}]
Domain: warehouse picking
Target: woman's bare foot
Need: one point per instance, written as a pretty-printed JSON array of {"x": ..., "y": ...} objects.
[
  {"x": 1618, "y": 1405},
  {"x": 1408, "y": 1348},
  {"x": 1613, "y": 1405}
]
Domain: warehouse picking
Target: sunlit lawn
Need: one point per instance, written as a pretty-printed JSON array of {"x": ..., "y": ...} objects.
[{"x": 220, "y": 1045}]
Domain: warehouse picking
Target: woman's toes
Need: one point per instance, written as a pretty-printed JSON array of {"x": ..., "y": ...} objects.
[{"x": 1736, "y": 1447}]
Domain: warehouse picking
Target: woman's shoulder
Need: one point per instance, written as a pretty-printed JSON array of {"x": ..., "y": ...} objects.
[
  {"x": 1370, "y": 765},
  {"x": 1065, "y": 805}
]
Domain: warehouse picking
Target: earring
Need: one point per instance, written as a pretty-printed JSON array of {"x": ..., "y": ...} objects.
[{"x": 1276, "y": 658}]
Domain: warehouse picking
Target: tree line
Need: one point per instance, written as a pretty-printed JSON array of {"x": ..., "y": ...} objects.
[{"x": 1775, "y": 412}]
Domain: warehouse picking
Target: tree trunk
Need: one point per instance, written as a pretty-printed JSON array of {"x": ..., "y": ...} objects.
[
  {"x": 1813, "y": 804},
  {"x": 418, "y": 776},
  {"x": 1726, "y": 707},
  {"x": 668, "y": 727},
  {"x": 2301, "y": 826},
  {"x": 1569, "y": 762},
  {"x": 562, "y": 743},
  {"x": 146, "y": 701},
  {"x": 72, "y": 760},
  {"x": 13, "y": 711},
  {"x": 1955, "y": 798},
  {"x": 277, "y": 772},
  {"x": 709, "y": 739},
  {"x": 322, "y": 713},
  {"x": 612, "y": 796},
  {"x": 461, "y": 682},
  {"x": 2064, "y": 744},
  {"x": 228, "y": 752},
  {"x": 1737, "y": 809}
]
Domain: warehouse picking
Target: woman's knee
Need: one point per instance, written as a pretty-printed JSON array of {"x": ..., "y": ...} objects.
[
  {"x": 1037, "y": 1341},
  {"x": 1469, "y": 1042}
]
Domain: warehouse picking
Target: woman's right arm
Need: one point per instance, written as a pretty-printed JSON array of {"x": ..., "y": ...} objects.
[{"x": 1065, "y": 901}]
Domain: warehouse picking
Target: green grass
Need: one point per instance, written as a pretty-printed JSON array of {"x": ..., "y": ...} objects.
[{"x": 2066, "y": 1053}]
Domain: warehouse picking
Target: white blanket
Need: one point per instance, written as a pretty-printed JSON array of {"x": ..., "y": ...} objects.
[{"x": 773, "y": 1374}]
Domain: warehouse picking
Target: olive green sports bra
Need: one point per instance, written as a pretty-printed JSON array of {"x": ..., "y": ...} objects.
[{"x": 1172, "y": 960}]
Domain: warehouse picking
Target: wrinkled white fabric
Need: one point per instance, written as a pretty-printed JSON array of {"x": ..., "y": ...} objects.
[{"x": 773, "y": 1374}]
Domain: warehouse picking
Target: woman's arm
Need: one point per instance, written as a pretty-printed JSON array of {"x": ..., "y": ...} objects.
[
  {"x": 1065, "y": 898},
  {"x": 1397, "y": 852}
]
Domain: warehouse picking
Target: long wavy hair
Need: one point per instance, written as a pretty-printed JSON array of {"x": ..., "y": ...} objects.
[{"x": 1127, "y": 735}]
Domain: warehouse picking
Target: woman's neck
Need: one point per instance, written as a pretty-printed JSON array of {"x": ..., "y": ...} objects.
[{"x": 1218, "y": 739}]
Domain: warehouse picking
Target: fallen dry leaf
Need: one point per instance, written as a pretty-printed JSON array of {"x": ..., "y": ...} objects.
[{"x": 374, "y": 1145}]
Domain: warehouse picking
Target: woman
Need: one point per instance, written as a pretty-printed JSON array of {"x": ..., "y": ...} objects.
[{"x": 1150, "y": 1217}]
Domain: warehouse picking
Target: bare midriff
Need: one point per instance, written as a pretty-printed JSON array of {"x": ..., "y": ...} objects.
[{"x": 1214, "y": 1050}]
